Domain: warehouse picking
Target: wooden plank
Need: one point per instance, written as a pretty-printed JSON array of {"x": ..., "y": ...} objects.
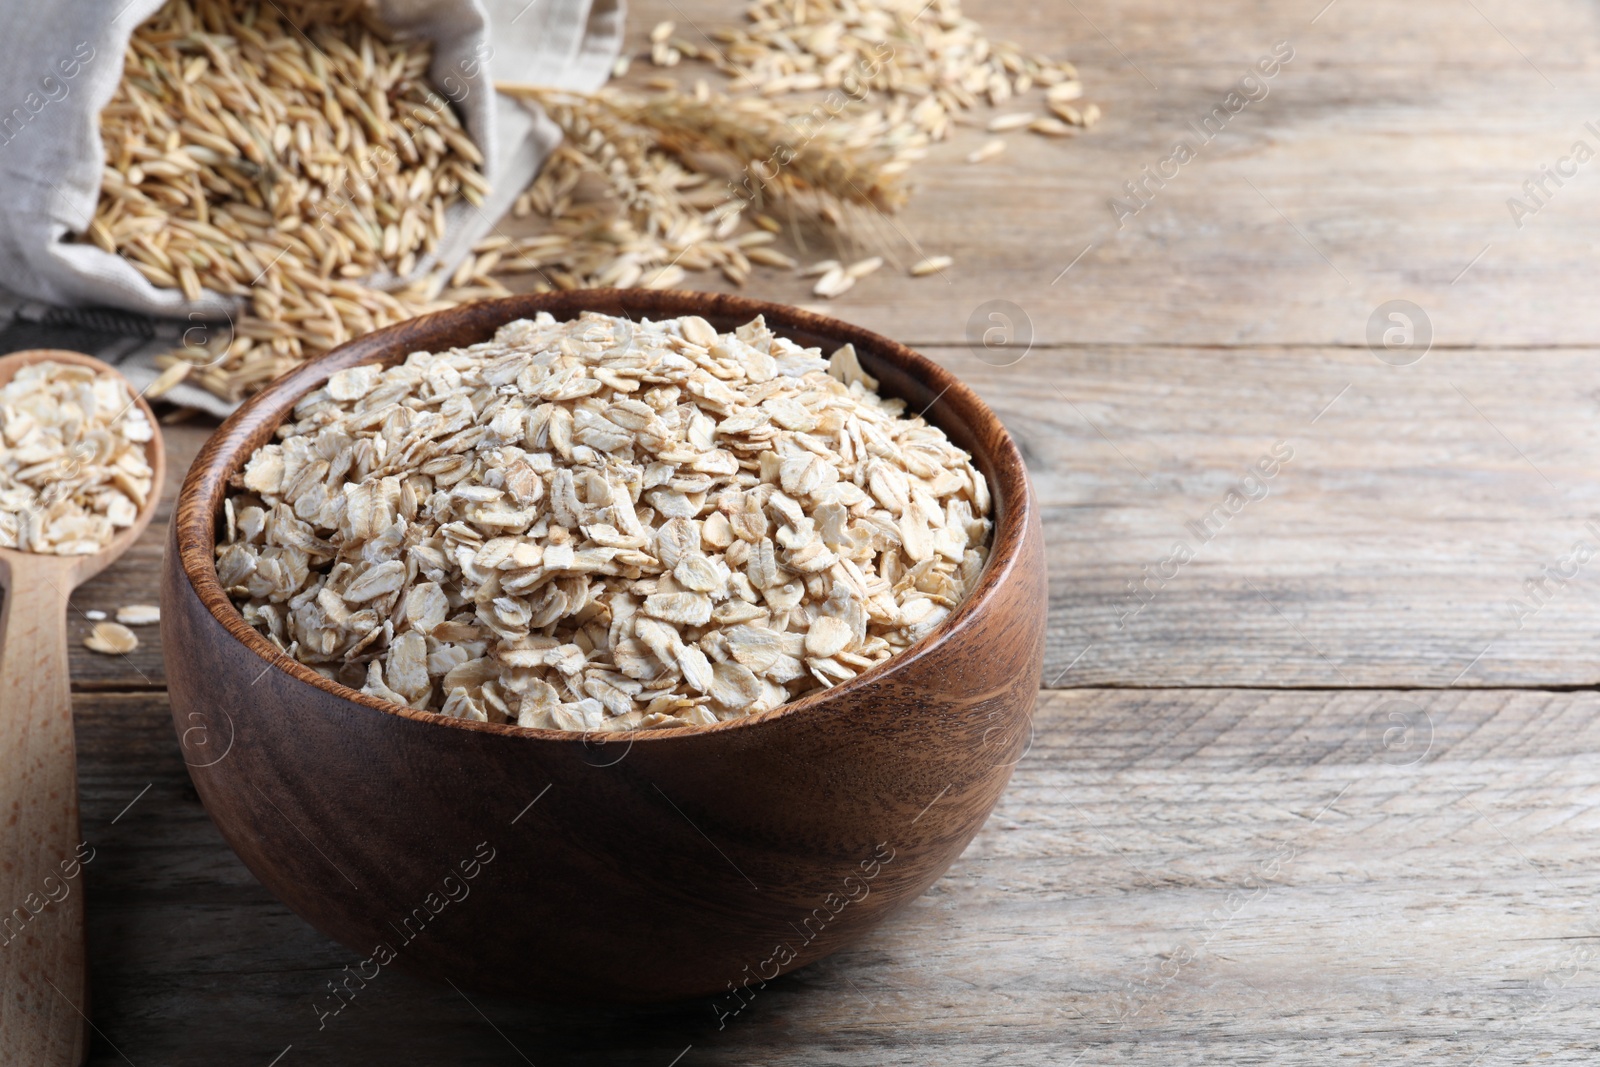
[
  {"x": 1173, "y": 877},
  {"x": 1391, "y": 549},
  {"x": 1378, "y": 166}
]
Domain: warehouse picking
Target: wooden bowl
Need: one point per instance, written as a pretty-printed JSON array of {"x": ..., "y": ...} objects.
[{"x": 649, "y": 866}]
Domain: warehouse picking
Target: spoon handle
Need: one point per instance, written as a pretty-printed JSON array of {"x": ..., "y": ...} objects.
[{"x": 43, "y": 976}]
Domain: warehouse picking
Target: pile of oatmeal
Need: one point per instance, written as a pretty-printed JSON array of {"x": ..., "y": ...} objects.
[
  {"x": 603, "y": 525},
  {"x": 73, "y": 465}
]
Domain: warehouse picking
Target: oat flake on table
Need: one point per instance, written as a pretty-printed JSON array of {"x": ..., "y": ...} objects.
[
  {"x": 603, "y": 525},
  {"x": 139, "y": 615},
  {"x": 111, "y": 639}
]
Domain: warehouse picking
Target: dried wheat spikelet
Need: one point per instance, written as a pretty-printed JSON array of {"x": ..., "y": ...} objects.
[{"x": 828, "y": 109}]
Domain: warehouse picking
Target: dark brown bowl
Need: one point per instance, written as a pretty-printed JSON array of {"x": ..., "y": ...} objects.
[{"x": 649, "y": 866}]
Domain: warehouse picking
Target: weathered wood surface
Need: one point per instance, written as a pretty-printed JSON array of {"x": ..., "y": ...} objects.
[
  {"x": 1381, "y": 160},
  {"x": 1387, "y": 551},
  {"x": 1124, "y": 905},
  {"x": 1207, "y": 875}
]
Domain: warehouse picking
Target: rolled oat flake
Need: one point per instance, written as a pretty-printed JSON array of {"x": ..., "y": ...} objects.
[{"x": 603, "y": 525}]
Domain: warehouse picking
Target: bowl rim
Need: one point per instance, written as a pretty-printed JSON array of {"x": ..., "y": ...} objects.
[{"x": 199, "y": 501}]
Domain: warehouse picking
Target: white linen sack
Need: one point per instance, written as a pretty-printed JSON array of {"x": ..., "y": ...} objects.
[{"x": 60, "y": 63}]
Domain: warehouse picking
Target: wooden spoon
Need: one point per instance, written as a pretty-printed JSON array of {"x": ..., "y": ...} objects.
[{"x": 43, "y": 973}]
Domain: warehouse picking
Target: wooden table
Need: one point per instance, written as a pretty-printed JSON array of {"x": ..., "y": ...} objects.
[{"x": 1326, "y": 789}]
